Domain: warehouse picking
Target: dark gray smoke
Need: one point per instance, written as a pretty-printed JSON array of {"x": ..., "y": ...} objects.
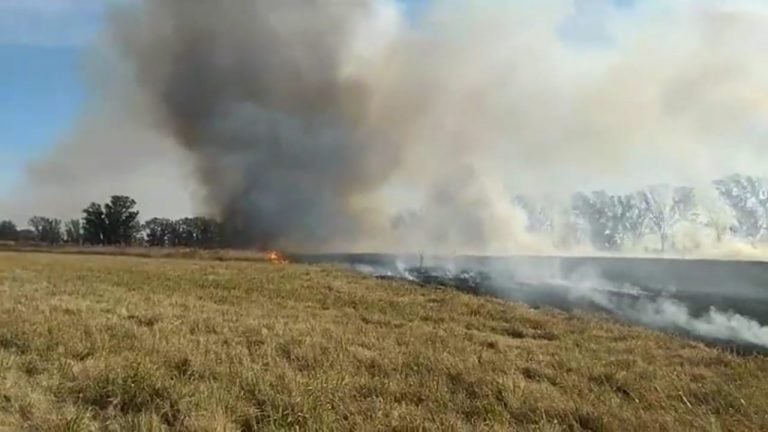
[{"x": 255, "y": 90}]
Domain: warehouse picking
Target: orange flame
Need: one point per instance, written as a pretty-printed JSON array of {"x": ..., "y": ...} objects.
[{"x": 276, "y": 257}]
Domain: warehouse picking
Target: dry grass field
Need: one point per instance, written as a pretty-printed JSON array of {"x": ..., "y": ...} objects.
[
  {"x": 143, "y": 252},
  {"x": 130, "y": 343}
]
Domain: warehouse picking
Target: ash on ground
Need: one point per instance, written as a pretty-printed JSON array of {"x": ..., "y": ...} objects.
[{"x": 473, "y": 282}]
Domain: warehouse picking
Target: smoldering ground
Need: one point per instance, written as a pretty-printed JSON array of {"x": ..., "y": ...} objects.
[{"x": 720, "y": 302}]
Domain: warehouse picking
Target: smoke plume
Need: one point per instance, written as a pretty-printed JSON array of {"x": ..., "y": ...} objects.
[{"x": 310, "y": 125}]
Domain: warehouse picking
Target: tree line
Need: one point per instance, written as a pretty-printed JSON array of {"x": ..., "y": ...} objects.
[
  {"x": 735, "y": 206},
  {"x": 731, "y": 207},
  {"x": 116, "y": 223}
]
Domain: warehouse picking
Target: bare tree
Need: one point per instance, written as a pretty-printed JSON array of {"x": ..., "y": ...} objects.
[
  {"x": 716, "y": 213},
  {"x": 664, "y": 207}
]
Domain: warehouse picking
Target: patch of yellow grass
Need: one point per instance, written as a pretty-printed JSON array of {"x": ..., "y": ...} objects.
[
  {"x": 125, "y": 343},
  {"x": 141, "y": 251}
]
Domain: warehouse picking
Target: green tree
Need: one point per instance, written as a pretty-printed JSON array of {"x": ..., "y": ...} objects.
[
  {"x": 209, "y": 232},
  {"x": 185, "y": 233},
  {"x": 94, "y": 225},
  {"x": 8, "y": 231},
  {"x": 122, "y": 221},
  {"x": 47, "y": 230},
  {"x": 159, "y": 232},
  {"x": 27, "y": 235},
  {"x": 73, "y": 232},
  {"x": 116, "y": 222}
]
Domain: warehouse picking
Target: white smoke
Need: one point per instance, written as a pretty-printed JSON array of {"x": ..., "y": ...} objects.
[
  {"x": 545, "y": 282},
  {"x": 661, "y": 312},
  {"x": 448, "y": 115}
]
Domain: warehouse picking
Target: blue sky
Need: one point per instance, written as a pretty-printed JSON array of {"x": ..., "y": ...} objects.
[
  {"x": 40, "y": 96},
  {"x": 42, "y": 45}
]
